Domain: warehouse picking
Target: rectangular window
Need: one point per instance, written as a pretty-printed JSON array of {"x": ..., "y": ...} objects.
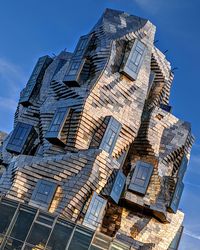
[
  {"x": 81, "y": 239},
  {"x": 166, "y": 107},
  {"x": 23, "y": 223},
  {"x": 110, "y": 136},
  {"x": 43, "y": 193},
  {"x": 61, "y": 235},
  {"x": 82, "y": 46},
  {"x": 41, "y": 230},
  {"x": 132, "y": 65},
  {"x": 53, "y": 133},
  {"x": 22, "y": 135},
  {"x": 73, "y": 72},
  {"x": 118, "y": 186},
  {"x": 95, "y": 212},
  {"x": 7, "y": 211},
  {"x": 36, "y": 78},
  {"x": 141, "y": 177},
  {"x": 182, "y": 167},
  {"x": 177, "y": 196},
  {"x": 151, "y": 80}
]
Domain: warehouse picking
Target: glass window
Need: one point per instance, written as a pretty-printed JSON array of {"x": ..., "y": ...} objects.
[
  {"x": 19, "y": 137},
  {"x": 23, "y": 224},
  {"x": 175, "y": 243},
  {"x": 177, "y": 196},
  {"x": 95, "y": 211},
  {"x": 39, "y": 235},
  {"x": 36, "y": 77},
  {"x": 134, "y": 61},
  {"x": 118, "y": 186},
  {"x": 182, "y": 167},
  {"x": 81, "y": 239},
  {"x": 57, "y": 124},
  {"x": 74, "y": 68},
  {"x": 44, "y": 192},
  {"x": 7, "y": 212},
  {"x": 110, "y": 135},
  {"x": 82, "y": 45},
  {"x": 60, "y": 235},
  {"x": 141, "y": 177}
]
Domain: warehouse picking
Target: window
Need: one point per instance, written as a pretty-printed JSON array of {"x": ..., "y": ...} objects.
[
  {"x": 81, "y": 239},
  {"x": 54, "y": 131},
  {"x": 95, "y": 212},
  {"x": 182, "y": 167},
  {"x": 23, "y": 223},
  {"x": 60, "y": 235},
  {"x": 179, "y": 185},
  {"x": 21, "y": 138},
  {"x": 177, "y": 196},
  {"x": 151, "y": 79},
  {"x": 141, "y": 177},
  {"x": 134, "y": 61},
  {"x": 166, "y": 107},
  {"x": 118, "y": 186},
  {"x": 73, "y": 72},
  {"x": 41, "y": 230},
  {"x": 36, "y": 78},
  {"x": 82, "y": 46},
  {"x": 74, "y": 68},
  {"x": 175, "y": 243},
  {"x": 110, "y": 136},
  {"x": 43, "y": 193},
  {"x": 7, "y": 211}
]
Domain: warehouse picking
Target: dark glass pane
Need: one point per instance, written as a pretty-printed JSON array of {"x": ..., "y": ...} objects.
[
  {"x": 39, "y": 235},
  {"x": 22, "y": 225},
  {"x": 13, "y": 244},
  {"x": 81, "y": 239},
  {"x": 60, "y": 236},
  {"x": 45, "y": 218},
  {"x": 6, "y": 215}
]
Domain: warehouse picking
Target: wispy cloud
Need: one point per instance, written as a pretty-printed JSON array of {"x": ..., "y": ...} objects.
[
  {"x": 191, "y": 234},
  {"x": 149, "y": 5},
  {"x": 12, "y": 80},
  {"x": 11, "y": 76}
]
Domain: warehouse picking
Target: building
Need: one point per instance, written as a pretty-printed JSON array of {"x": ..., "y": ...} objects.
[{"x": 96, "y": 158}]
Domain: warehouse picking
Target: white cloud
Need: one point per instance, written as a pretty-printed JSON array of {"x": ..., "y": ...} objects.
[
  {"x": 149, "y": 5},
  {"x": 8, "y": 104},
  {"x": 12, "y": 78},
  {"x": 191, "y": 234}
]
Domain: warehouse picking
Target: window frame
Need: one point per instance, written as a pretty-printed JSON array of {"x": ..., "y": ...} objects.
[
  {"x": 54, "y": 136},
  {"x": 116, "y": 189},
  {"x": 28, "y": 133},
  {"x": 94, "y": 222},
  {"x": 138, "y": 50},
  {"x": 38, "y": 202},
  {"x": 108, "y": 142},
  {"x": 134, "y": 183},
  {"x": 35, "y": 78}
]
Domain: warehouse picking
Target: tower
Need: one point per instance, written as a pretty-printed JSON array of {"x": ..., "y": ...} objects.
[{"x": 96, "y": 158}]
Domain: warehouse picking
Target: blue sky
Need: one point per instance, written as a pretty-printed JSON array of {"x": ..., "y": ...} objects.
[{"x": 29, "y": 29}]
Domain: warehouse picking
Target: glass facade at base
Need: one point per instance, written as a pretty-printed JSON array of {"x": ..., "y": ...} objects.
[{"x": 23, "y": 227}]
